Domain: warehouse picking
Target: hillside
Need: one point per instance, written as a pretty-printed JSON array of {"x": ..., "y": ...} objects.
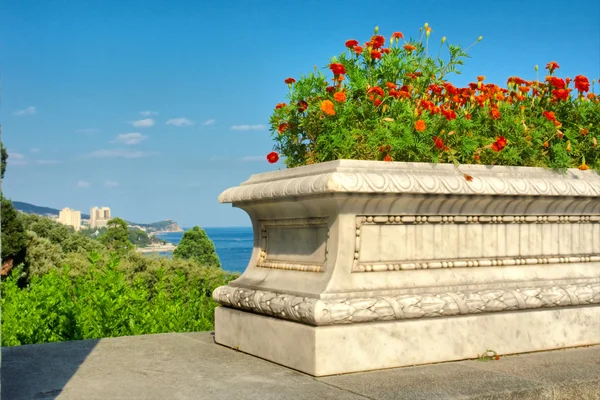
[{"x": 167, "y": 225}]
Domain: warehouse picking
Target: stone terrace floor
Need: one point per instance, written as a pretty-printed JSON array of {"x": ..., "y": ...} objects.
[{"x": 191, "y": 366}]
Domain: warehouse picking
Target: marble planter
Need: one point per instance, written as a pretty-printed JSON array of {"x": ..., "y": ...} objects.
[{"x": 360, "y": 265}]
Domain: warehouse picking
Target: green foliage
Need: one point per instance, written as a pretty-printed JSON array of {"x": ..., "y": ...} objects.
[
  {"x": 104, "y": 302},
  {"x": 42, "y": 255},
  {"x": 13, "y": 239},
  {"x": 138, "y": 237},
  {"x": 396, "y": 104},
  {"x": 3, "y": 160},
  {"x": 116, "y": 237},
  {"x": 196, "y": 245}
]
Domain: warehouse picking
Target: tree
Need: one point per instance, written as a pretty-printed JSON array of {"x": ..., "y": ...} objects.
[
  {"x": 196, "y": 245},
  {"x": 13, "y": 239},
  {"x": 4, "y": 159},
  {"x": 42, "y": 255},
  {"x": 116, "y": 237}
]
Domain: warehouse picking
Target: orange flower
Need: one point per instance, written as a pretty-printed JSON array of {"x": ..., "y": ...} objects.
[
  {"x": 583, "y": 167},
  {"x": 558, "y": 83},
  {"x": 549, "y": 115},
  {"x": 397, "y": 35},
  {"x": 420, "y": 125},
  {"x": 377, "y": 41},
  {"x": 524, "y": 89},
  {"x": 495, "y": 113},
  {"x": 439, "y": 143},
  {"x": 387, "y": 158},
  {"x": 390, "y": 85},
  {"x": 584, "y": 132},
  {"x": 280, "y": 105},
  {"x": 468, "y": 177},
  {"x": 327, "y": 107},
  {"x": 551, "y": 66},
  {"x": 546, "y": 144},
  {"x": 289, "y": 81},
  {"x": 340, "y": 97},
  {"x": 272, "y": 157},
  {"x": 499, "y": 144},
  {"x": 560, "y": 94},
  {"x": 409, "y": 47},
  {"x": 480, "y": 78},
  {"x": 358, "y": 49},
  {"x": 468, "y": 116},
  {"x": 591, "y": 96},
  {"x": 375, "y": 54}
]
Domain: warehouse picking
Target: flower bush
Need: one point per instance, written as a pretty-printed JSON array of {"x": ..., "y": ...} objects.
[{"x": 395, "y": 104}]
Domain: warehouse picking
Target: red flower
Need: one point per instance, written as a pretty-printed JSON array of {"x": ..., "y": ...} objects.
[
  {"x": 420, "y": 125},
  {"x": 272, "y": 157},
  {"x": 377, "y": 41},
  {"x": 480, "y": 78},
  {"x": 387, "y": 158},
  {"x": 584, "y": 131},
  {"x": 409, "y": 47},
  {"x": 337, "y": 68},
  {"x": 289, "y": 81},
  {"x": 468, "y": 177},
  {"x": 340, "y": 97},
  {"x": 385, "y": 51},
  {"x": 435, "y": 89},
  {"x": 358, "y": 49},
  {"x": 377, "y": 102},
  {"x": 302, "y": 106},
  {"x": 330, "y": 89},
  {"x": 375, "y": 54},
  {"x": 549, "y": 115},
  {"x": 439, "y": 143},
  {"x": 280, "y": 105},
  {"x": 499, "y": 144},
  {"x": 449, "y": 114},
  {"x": 468, "y": 116},
  {"x": 351, "y": 43},
  {"x": 282, "y": 127},
  {"x": 558, "y": 83},
  {"x": 582, "y": 83},
  {"x": 495, "y": 114},
  {"x": 390, "y": 85},
  {"x": 376, "y": 90},
  {"x": 397, "y": 35},
  {"x": 560, "y": 94},
  {"x": 551, "y": 66}
]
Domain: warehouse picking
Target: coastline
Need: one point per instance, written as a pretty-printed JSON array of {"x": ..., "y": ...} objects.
[{"x": 157, "y": 249}]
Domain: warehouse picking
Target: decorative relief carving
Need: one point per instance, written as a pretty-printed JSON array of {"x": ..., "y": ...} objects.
[
  {"x": 294, "y": 264},
  {"x": 335, "y": 177},
  {"x": 328, "y": 312},
  {"x": 535, "y": 255}
]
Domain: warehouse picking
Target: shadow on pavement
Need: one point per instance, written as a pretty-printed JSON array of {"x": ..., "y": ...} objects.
[{"x": 41, "y": 371}]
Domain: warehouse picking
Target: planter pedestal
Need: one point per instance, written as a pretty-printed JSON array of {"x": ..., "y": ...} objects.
[{"x": 361, "y": 265}]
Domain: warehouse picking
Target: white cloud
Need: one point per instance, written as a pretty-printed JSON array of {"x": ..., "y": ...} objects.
[
  {"x": 87, "y": 130},
  {"x": 111, "y": 183},
  {"x": 83, "y": 184},
  {"x": 48, "y": 162},
  {"x": 143, "y": 123},
  {"x": 130, "y": 138},
  {"x": 119, "y": 153},
  {"x": 27, "y": 111},
  {"x": 148, "y": 113},
  {"x": 35, "y": 150},
  {"x": 248, "y": 127},
  {"x": 15, "y": 156},
  {"x": 179, "y": 122},
  {"x": 209, "y": 122},
  {"x": 253, "y": 158}
]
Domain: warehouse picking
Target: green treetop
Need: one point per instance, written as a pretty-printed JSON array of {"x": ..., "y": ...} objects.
[
  {"x": 116, "y": 237},
  {"x": 196, "y": 245}
]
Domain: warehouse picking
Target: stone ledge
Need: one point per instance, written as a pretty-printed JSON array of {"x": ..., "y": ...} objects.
[{"x": 191, "y": 366}]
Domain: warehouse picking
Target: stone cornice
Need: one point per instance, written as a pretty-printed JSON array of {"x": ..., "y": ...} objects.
[
  {"x": 352, "y": 310},
  {"x": 351, "y": 176}
]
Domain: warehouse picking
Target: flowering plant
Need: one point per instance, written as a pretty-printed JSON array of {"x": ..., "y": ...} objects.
[{"x": 395, "y": 104}]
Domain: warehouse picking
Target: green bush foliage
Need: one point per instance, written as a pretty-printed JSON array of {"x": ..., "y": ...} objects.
[
  {"x": 196, "y": 245},
  {"x": 105, "y": 302}
]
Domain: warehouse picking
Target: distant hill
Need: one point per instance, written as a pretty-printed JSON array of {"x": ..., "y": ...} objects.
[{"x": 167, "y": 225}]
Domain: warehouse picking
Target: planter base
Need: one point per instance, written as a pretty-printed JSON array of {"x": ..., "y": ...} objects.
[{"x": 338, "y": 349}]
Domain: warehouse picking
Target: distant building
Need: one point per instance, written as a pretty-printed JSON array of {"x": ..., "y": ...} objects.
[
  {"x": 99, "y": 217},
  {"x": 70, "y": 217}
]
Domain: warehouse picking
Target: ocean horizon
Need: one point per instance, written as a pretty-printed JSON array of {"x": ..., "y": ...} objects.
[{"x": 233, "y": 245}]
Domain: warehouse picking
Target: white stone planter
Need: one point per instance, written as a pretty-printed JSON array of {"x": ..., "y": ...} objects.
[{"x": 360, "y": 265}]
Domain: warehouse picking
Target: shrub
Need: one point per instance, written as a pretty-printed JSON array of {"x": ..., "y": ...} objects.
[
  {"x": 395, "y": 104},
  {"x": 196, "y": 245}
]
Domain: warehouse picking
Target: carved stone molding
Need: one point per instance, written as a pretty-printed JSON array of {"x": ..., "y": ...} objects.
[
  {"x": 292, "y": 265},
  {"x": 352, "y": 176},
  {"x": 353, "y": 310},
  {"x": 399, "y": 264}
]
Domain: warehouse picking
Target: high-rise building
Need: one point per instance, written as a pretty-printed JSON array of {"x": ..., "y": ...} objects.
[
  {"x": 70, "y": 217},
  {"x": 99, "y": 217}
]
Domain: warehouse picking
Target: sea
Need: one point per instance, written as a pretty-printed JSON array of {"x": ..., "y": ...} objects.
[{"x": 233, "y": 245}]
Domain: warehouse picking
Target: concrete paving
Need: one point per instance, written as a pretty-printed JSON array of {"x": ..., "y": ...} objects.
[{"x": 191, "y": 366}]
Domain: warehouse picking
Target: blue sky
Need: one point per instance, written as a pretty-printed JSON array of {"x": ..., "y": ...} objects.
[{"x": 153, "y": 108}]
